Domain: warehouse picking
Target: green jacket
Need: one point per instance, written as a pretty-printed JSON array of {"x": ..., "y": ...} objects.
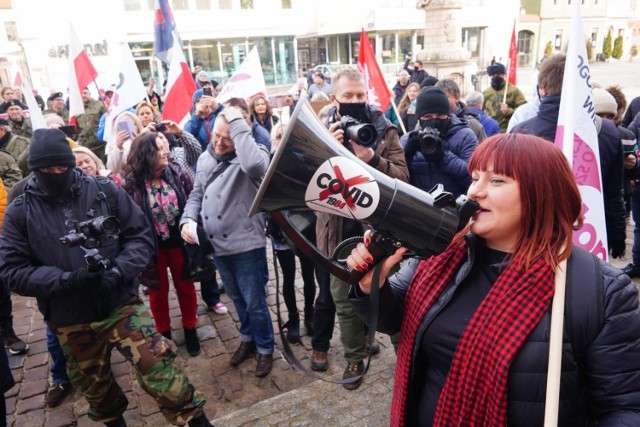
[
  {"x": 64, "y": 113},
  {"x": 493, "y": 99},
  {"x": 88, "y": 125},
  {"x": 9, "y": 170},
  {"x": 16, "y": 146},
  {"x": 23, "y": 129}
]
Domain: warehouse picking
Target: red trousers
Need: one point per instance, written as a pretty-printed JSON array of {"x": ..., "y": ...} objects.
[{"x": 173, "y": 259}]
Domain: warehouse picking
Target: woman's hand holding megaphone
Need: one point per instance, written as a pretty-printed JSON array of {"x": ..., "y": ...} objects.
[{"x": 361, "y": 260}]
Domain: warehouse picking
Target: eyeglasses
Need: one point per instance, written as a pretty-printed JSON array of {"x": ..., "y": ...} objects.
[{"x": 227, "y": 141}]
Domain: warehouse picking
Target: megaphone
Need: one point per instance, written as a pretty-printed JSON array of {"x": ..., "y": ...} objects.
[{"x": 312, "y": 170}]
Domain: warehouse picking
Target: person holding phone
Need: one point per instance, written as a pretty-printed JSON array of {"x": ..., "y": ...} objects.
[
  {"x": 206, "y": 109},
  {"x": 125, "y": 128}
]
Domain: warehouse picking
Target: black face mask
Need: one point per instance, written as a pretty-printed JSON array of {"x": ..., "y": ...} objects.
[
  {"x": 56, "y": 184},
  {"x": 357, "y": 110},
  {"x": 497, "y": 82},
  {"x": 440, "y": 125}
]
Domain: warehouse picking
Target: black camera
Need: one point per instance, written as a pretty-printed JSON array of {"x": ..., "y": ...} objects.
[
  {"x": 90, "y": 235},
  {"x": 161, "y": 127},
  {"x": 430, "y": 140},
  {"x": 363, "y": 133}
]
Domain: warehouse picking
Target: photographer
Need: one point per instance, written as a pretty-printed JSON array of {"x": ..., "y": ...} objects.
[
  {"x": 90, "y": 311},
  {"x": 438, "y": 153},
  {"x": 349, "y": 95}
]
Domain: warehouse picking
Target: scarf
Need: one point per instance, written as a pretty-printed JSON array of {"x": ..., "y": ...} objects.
[
  {"x": 165, "y": 208},
  {"x": 475, "y": 390}
]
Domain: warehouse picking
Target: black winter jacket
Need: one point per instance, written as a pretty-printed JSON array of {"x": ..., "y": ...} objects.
[
  {"x": 611, "y": 161},
  {"x": 33, "y": 261},
  {"x": 609, "y": 383}
]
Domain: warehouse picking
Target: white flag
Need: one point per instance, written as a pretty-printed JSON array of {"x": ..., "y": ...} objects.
[
  {"x": 35, "y": 114},
  {"x": 129, "y": 90},
  {"x": 576, "y": 135},
  {"x": 247, "y": 81}
]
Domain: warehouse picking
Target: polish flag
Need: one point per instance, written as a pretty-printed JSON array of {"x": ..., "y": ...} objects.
[
  {"x": 378, "y": 92},
  {"x": 180, "y": 87},
  {"x": 576, "y": 135},
  {"x": 81, "y": 73}
]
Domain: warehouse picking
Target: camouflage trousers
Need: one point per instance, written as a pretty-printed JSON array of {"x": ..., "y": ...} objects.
[{"x": 128, "y": 328}]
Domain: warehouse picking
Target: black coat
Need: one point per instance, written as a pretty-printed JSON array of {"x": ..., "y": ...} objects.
[
  {"x": 608, "y": 383},
  {"x": 33, "y": 261},
  {"x": 611, "y": 161}
]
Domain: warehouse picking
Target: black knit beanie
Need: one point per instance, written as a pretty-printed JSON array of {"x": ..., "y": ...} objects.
[
  {"x": 50, "y": 147},
  {"x": 432, "y": 100}
]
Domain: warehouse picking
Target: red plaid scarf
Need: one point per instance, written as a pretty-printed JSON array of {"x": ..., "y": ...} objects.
[{"x": 475, "y": 391}]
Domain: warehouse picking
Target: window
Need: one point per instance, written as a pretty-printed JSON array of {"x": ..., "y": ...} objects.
[
  {"x": 246, "y": 4},
  {"x": 558, "y": 40},
  {"x": 151, "y": 4},
  {"x": 203, "y": 4},
  {"x": 286, "y": 4},
  {"x": 132, "y": 5},
  {"x": 225, "y": 4},
  {"x": 180, "y": 4},
  {"x": 471, "y": 40},
  {"x": 594, "y": 37}
]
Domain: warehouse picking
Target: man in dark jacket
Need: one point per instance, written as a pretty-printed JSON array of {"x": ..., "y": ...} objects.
[
  {"x": 418, "y": 74},
  {"x": 349, "y": 97},
  {"x": 609, "y": 145},
  {"x": 400, "y": 86},
  {"x": 87, "y": 285},
  {"x": 439, "y": 152},
  {"x": 451, "y": 88}
]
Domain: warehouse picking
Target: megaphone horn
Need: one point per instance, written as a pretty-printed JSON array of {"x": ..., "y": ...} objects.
[{"x": 311, "y": 170}]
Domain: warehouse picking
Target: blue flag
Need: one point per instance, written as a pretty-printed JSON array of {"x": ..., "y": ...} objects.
[{"x": 164, "y": 26}]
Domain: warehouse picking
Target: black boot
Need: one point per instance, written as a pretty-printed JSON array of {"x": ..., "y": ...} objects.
[
  {"x": 118, "y": 422},
  {"x": 200, "y": 421},
  {"x": 193, "y": 344},
  {"x": 167, "y": 335},
  {"x": 293, "y": 329},
  {"x": 308, "y": 321}
]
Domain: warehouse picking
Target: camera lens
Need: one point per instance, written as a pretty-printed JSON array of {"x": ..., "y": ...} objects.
[
  {"x": 110, "y": 226},
  {"x": 366, "y": 135}
]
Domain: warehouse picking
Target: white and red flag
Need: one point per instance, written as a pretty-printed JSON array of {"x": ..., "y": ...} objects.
[
  {"x": 247, "y": 81},
  {"x": 180, "y": 87},
  {"x": 576, "y": 135},
  {"x": 81, "y": 74},
  {"x": 378, "y": 92},
  {"x": 129, "y": 90}
]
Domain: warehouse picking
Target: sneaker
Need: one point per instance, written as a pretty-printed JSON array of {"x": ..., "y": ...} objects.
[
  {"x": 11, "y": 342},
  {"x": 631, "y": 270},
  {"x": 319, "y": 360},
  {"x": 57, "y": 393},
  {"x": 219, "y": 308},
  {"x": 353, "y": 370}
]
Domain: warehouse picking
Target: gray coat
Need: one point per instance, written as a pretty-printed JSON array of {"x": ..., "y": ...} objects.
[{"x": 224, "y": 204}]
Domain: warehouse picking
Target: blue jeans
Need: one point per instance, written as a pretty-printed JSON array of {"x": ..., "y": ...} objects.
[
  {"x": 243, "y": 277},
  {"x": 58, "y": 366},
  {"x": 635, "y": 214},
  {"x": 210, "y": 291}
]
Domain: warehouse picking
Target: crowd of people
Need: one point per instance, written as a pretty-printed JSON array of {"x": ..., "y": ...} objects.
[{"x": 156, "y": 203}]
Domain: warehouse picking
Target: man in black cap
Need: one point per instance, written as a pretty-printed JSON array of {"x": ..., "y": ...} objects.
[
  {"x": 89, "y": 297},
  {"x": 56, "y": 106},
  {"x": 495, "y": 104},
  {"x": 438, "y": 153},
  {"x": 19, "y": 124}
]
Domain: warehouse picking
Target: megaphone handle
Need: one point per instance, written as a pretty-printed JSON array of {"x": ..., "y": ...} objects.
[{"x": 380, "y": 247}]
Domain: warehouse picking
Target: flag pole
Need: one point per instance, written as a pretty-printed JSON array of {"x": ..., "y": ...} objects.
[
  {"x": 395, "y": 110},
  {"x": 555, "y": 348}
]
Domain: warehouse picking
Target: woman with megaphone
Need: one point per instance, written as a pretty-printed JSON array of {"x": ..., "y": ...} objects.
[{"x": 475, "y": 319}]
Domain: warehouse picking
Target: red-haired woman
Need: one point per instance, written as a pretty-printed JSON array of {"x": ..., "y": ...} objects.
[{"x": 475, "y": 319}]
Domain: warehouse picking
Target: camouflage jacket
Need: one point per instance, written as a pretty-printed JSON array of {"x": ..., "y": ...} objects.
[
  {"x": 88, "y": 124},
  {"x": 23, "y": 129},
  {"x": 9, "y": 170},
  {"x": 493, "y": 99},
  {"x": 15, "y": 146},
  {"x": 64, "y": 113}
]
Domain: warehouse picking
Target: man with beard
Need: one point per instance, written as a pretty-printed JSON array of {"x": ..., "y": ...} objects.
[
  {"x": 349, "y": 99},
  {"x": 495, "y": 104}
]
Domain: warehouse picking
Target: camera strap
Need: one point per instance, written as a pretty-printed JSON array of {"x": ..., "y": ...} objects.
[{"x": 107, "y": 193}]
